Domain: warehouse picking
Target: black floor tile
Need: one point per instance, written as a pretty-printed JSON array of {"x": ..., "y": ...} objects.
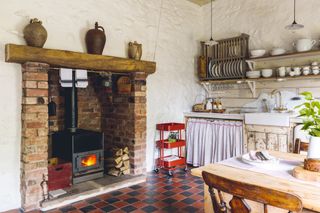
[
  {"x": 87, "y": 209},
  {"x": 129, "y": 208},
  {"x": 149, "y": 209},
  {"x": 112, "y": 200},
  {"x": 188, "y": 201},
  {"x": 67, "y": 209},
  {"x": 169, "y": 200},
  {"x": 131, "y": 200},
  {"x": 108, "y": 208}
]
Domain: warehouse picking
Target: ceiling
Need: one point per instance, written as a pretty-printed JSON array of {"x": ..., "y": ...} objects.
[{"x": 200, "y": 2}]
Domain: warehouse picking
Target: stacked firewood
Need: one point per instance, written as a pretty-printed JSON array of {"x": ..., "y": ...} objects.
[{"x": 117, "y": 162}]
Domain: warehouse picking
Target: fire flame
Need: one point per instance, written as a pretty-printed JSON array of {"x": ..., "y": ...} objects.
[{"x": 89, "y": 160}]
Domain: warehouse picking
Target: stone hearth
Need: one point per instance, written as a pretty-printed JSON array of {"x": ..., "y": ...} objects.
[{"x": 122, "y": 119}]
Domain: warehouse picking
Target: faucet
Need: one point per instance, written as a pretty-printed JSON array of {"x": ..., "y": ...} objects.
[{"x": 280, "y": 107}]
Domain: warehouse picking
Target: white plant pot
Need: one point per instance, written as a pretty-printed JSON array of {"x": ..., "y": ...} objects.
[{"x": 314, "y": 147}]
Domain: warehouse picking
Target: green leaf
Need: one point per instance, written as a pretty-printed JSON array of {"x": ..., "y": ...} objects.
[
  {"x": 307, "y": 95},
  {"x": 316, "y": 132}
]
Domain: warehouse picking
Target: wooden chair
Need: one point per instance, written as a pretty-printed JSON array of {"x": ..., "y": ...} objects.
[
  {"x": 241, "y": 191},
  {"x": 300, "y": 146}
]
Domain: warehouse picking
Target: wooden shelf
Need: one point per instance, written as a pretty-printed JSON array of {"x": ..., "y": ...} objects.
[
  {"x": 69, "y": 59},
  {"x": 311, "y": 53},
  {"x": 289, "y": 59},
  {"x": 302, "y": 77}
]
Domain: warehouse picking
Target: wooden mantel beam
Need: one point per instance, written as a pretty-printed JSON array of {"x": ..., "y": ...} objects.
[{"x": 76, "y": 60}]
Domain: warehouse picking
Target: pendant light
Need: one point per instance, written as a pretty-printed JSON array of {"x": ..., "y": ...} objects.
[
  {"x": 211, "y": 42},
  {"x": 294, "y": 25}
]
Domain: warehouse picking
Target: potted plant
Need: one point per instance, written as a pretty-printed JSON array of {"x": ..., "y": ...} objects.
[{"x": 310, "y": 112}]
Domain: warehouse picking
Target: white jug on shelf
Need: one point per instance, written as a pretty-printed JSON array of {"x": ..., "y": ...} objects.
[{"x": 304, "y": 44}]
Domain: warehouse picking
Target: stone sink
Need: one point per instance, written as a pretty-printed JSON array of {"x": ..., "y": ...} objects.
[{"x": 268, "y": 119}]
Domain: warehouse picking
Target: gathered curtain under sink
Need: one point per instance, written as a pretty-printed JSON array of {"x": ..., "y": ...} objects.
[{"x": 210, "y": 141}]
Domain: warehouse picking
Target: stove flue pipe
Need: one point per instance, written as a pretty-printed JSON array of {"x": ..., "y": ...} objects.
[{"x": 71, "y": 106}]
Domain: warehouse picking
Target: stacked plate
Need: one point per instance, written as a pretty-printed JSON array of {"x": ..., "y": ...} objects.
[{"x": 226, "y": 69}]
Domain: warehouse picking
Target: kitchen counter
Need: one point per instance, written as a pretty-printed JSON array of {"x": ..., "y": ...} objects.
[
  {"x": 225, "y": 116},
  {"x": 230, "y": 116}
]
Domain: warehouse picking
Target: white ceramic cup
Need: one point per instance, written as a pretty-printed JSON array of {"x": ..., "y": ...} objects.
[
  {"x": 304, "y": 44},
  {"x": 282, "y": 71},
  {"x": 292, "y": 73},
  {"x": 306, "y": 72}
]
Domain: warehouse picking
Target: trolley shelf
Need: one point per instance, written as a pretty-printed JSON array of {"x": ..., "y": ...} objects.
[
  {"x": 173, "y": 163},
  {"x": 170, "y": 126},
  {"x": 170, "y": 162},
  {"x": 170, "y": 145}
]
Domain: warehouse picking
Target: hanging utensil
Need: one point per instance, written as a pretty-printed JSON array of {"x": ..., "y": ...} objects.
[{"x": 52, "y": 107}]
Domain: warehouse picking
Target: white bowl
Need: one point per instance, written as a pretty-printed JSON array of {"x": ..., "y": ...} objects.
[
  {"x": 253, "y": 74},
  {"x": 257, "y": 53},
  {"x": 266, "y": 73},
  {"x": 306, "y": 72},
  {"x": 278, "y": 51}
]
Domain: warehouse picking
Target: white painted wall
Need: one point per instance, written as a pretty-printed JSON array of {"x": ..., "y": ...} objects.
[
  {"x": 264, "y": 21},
  {"x": 171, "y": 90}
]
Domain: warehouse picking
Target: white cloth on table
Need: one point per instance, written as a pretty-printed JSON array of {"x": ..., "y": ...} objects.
[
  {"x": 282, "y": 170},
  {"x": 210, "y": 141}
]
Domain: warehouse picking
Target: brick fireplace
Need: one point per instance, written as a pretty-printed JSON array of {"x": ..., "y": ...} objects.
[{"x": 121, "y": 117}]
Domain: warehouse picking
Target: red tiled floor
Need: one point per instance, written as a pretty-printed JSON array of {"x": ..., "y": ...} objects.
[{"x": 161, "y": 193}]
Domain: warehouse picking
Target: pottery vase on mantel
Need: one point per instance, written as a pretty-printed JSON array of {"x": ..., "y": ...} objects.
[
  {"x": 95, "y": 40},
  {"x": 135, "y": 50},
  {"x": 35, "y": 34},
  {"x": 314, "y": 148}
]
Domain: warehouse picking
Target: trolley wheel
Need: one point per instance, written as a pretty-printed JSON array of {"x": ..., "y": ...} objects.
[
  {"x": 156, "y": 170},
  {"x": 186, "y": 169},
  {"x": 170, "y": 173}
]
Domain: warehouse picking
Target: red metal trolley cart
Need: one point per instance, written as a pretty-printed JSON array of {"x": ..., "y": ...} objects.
[{"x": 169, "y": 162}]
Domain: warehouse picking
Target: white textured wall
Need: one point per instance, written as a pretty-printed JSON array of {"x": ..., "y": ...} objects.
[
  {"x": 171, "y": 89},
  {"x": 264, "y": 21}
]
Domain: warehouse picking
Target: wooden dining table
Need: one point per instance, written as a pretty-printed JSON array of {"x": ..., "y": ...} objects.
[{"x": 309, "y": 193}]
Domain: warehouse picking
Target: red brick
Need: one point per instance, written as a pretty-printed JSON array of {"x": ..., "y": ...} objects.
[
  {"x": 35, "y": 76},
  {"x": 29, "y": 84},
  {"x": 35, "y": 92},
  {"x": 36, "y": 125},
  {"x": 43, "y": 85}
]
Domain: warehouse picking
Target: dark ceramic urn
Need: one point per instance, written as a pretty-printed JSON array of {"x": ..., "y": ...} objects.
[
  {"x": 35, "y": 34},
  {"x": 95, "y": 40}
]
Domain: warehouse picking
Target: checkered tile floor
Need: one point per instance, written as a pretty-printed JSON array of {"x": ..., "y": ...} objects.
[{"x": 180, "y": 193}]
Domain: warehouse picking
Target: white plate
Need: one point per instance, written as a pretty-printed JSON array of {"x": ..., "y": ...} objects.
[
  {"x": 209, "y": 67},
  {"x": 246, "y": 158},
  {"x": 212, "y": 70}
]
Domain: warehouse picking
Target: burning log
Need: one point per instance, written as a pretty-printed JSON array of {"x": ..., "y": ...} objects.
[{"x": 117, "y": 162}]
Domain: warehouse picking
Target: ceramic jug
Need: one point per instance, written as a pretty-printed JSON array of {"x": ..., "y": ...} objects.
[
  {"x": 135, "y": 50},
  {"x": 35, "y": 34},
  {"x": 304, "y": 44},
  {"x": 95, "y": 40}
]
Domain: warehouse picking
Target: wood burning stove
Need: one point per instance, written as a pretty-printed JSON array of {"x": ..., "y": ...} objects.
[{"x": 84, "y": 148}]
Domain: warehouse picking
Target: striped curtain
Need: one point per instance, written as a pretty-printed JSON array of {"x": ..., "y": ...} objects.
[{"x": 210, "y": 141}]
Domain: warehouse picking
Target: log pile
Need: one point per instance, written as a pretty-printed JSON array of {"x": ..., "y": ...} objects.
[{"x": 117, "y": 162}]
